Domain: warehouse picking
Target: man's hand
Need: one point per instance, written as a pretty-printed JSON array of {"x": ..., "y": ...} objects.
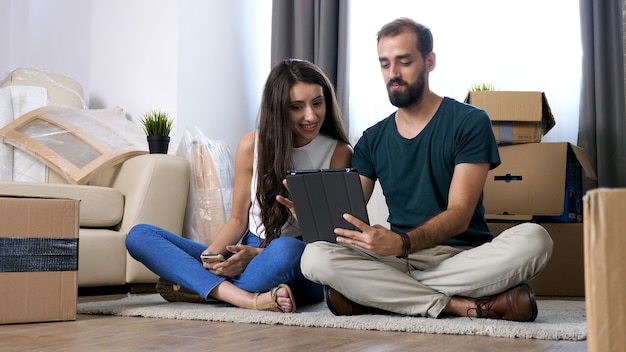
[
  {"x": 375, "y": 238},
  {"x": 236, "y": 264}
]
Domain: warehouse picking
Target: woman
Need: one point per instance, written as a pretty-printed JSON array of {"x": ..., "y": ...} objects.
[{"x": 300, "y": 127}]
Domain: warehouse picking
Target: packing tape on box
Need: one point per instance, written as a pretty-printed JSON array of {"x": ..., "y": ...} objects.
[
  {"x": 506, "y": 132},
  {"x": 34, "y": 254}
]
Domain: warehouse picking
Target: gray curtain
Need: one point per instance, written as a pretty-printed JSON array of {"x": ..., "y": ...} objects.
[
  {"x": 314, "y": 30},
  {"x": 602, "y": 124}
]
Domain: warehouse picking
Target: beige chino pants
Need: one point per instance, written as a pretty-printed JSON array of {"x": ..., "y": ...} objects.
[{"x": 423, "y": 284}]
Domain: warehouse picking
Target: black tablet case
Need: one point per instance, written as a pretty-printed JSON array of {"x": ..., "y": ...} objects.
[{"x": 321, "y": 197}]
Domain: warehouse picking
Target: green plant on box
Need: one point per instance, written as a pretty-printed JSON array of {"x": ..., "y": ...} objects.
[
  {"x": 482, "y": 87},
  {"x": 157, "y": 123}
]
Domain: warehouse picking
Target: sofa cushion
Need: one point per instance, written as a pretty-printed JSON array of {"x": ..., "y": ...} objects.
[
  {"x": 102, "y": 258},
  {"x": 100, "y": 207}
]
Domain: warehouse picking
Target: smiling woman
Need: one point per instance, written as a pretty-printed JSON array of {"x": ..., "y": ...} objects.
[
  {"x": 307, "y": 113},
  {"x": 258, "y": 241},
  {"x": 514, "y": 46}
]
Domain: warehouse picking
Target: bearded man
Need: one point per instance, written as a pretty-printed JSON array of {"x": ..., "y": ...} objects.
[{"x": 431, "y": 157}]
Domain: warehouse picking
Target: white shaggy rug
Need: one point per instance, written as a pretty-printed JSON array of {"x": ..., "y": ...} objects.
[{"x": 557, "y": 320}]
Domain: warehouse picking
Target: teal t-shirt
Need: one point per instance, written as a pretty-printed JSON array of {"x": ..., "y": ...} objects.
[{"x": 415, "y": 174}]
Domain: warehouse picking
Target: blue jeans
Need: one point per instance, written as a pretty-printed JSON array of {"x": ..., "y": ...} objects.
[{"x": 177, "y": 259}]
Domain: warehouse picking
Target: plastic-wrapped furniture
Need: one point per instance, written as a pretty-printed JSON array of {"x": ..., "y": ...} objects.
[{"x": 148, "y": 188}]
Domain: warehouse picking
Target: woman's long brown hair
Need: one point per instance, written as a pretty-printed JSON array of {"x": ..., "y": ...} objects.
[{"x": 275, "y": 137}]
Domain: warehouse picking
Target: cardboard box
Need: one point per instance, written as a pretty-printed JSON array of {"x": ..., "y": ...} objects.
[
  {"x": 38, "y": 259},
  {"x": 605, "y": 268},
  {"x": 541, "y": 181},
  {"x": 564, "y": 274},
  {"x": 516, "y": 117}
]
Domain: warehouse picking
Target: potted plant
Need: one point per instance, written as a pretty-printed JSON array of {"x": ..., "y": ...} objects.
[
  {"x": 482, "y": 87},
  {"x": 157, "y": 125}
]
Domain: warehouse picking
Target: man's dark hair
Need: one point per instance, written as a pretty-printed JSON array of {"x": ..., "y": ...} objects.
[{"x": 424, "y": 36}]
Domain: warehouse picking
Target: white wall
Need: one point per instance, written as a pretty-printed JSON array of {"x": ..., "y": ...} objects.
[
  {"x": 46, "y": 34},
  {"x": 134, "y": 56},
  {"x": 203, "y": 61},
  {"x": 224, "y": 59},
  {"x": 5, "y": 33}
]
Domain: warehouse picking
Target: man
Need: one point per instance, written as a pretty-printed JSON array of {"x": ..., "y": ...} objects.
[{"x": 431, "y": 157}]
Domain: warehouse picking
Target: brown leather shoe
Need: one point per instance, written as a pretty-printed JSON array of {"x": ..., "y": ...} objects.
[
  {"x": 176, "y": 293},
  {"x": 340, "y": 305},
  {"x": 516, "y": 304}
]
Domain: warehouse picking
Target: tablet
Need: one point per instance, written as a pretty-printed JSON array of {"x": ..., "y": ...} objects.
[{"x": 321, "y": 197}]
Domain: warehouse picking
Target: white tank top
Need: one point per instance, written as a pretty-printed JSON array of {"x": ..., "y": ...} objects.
[{"x": 315, "y": 155}]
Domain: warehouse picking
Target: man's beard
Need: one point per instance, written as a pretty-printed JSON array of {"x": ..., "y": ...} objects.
[{"x": 412, "y": 95}]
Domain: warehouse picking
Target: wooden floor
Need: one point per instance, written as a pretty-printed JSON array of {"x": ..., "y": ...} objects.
[{"x": 110, "y": 333}]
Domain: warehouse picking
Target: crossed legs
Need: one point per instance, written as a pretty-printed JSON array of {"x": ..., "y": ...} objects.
[{"x": 438, "y": 280}]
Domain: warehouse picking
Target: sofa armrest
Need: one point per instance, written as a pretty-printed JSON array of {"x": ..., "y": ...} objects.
[{"x": 155, "y": 188}]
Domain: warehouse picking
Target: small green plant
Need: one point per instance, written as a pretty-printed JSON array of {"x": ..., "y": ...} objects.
[
  {"x": 482, "y": 87},
  {"x": 157, "y": 123}
]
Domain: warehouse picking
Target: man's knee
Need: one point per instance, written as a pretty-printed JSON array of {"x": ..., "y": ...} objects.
[
  {"x": 307, "y": 261},
  {"x": 527, "y": 241},
  {"x": 531, "y": 242},
  {"x": 538, "y": 238},
  {"x": 314, "y": 262}
]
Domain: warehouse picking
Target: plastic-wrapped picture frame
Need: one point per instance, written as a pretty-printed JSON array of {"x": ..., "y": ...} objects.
[{"x": 75, "y": 143}]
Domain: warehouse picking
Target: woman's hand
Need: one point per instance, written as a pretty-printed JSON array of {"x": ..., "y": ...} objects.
[
  {"x": 287, "y": 202},
  {"x": 236, "y": 264}
]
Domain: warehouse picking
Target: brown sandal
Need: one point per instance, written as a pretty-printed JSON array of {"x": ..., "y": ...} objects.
[
  {"x": 176, "y": 293},
  {"x": 274, "y": 303}
]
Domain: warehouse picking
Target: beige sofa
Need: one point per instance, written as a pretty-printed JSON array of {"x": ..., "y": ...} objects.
[{"x": 149, "y": 188}]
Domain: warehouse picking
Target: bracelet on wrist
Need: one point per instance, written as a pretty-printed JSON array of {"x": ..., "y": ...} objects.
[{"x": 406, "y": 244}]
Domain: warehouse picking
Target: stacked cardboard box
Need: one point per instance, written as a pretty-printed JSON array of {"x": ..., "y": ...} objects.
[
  {"x": 537, "y": 181},
  {"x": 516, "y": 117},
  {"x": 541, "y": 181},
  {"x": 38, "y": 259}
]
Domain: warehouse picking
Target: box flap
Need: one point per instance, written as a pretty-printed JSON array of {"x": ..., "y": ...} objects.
[
  {"x": 547, "y": 119},
  {"x": 514, "y": 106},
  {"x": 584, "y": 162}
]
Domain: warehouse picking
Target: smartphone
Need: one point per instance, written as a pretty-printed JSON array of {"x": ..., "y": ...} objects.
[{"x": 212, "y": 258}]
